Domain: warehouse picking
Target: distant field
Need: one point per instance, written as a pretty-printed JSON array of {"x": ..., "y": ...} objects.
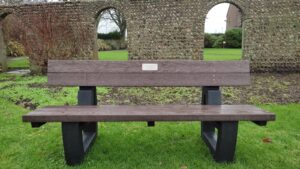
[{"x": 209, "y": 54}]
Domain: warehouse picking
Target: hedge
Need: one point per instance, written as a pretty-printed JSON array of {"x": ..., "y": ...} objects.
[{"x": 112, "y": 35}]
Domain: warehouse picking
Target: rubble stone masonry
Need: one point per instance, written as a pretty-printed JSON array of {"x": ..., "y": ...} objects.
[{"x": 162, "y": 29}]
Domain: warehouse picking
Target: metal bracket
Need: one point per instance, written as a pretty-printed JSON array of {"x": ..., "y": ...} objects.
[
  {"x": 211, "y": 95},
  {"x": 87, "y": 95}
]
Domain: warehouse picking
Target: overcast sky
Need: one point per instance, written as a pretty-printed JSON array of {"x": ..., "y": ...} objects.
[{"x": 215, "y": 21}]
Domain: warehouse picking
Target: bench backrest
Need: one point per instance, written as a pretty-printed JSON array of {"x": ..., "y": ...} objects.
[{"x": 183, "y": 73}]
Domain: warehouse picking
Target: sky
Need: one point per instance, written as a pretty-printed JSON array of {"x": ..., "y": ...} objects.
[{"x": 215, "y": 21}]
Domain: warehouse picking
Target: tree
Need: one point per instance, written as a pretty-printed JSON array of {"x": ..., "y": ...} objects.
[
  {"x": 219, "y": 42},
  {"x": 117, "y": 17}
]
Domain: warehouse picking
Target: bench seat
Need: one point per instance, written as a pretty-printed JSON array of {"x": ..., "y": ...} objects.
[{"x": 149, "y": 113}]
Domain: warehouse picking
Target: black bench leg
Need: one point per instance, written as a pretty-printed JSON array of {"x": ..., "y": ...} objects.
[
  {"x": 87, "y": 95},
  {"x": 78, "y": 137},
  {"x": 151, "y": 123},
  {"x": 222, "y": 145},
  {"x": 77, "y": 140}
]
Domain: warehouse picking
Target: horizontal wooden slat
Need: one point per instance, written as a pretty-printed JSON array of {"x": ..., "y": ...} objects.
[
  {"x": 131, "y": 73},
  {"x": 148, "y": 79},
  {"x": 149, "y": 113},
  {"x": 174, "y": 66}
]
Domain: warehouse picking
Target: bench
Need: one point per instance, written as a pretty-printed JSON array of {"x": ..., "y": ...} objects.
[{"x": 79, "y": 123}]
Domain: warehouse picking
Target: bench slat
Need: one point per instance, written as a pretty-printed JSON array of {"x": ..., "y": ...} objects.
[
  {"x": 149, "y": 113},
  {"x": 131, "y": 74},
  {"x": 148, "y": 79},
  {"x": 168, "y": 66}
]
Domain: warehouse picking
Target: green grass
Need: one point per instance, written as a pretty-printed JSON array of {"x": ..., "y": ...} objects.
[
  {"x": 18, "y": 63},
  {"x": 122, "y": 55},
  {"x": 209, "y": 54},
  {"x": 133, "y": 145},
  {"x": 222, "y": 54}
]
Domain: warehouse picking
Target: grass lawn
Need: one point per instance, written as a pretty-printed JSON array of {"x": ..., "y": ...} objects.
[
  {"x": 18, "y": 63},
  {"x": 121, "y": 55},
  {"x": 222, "y": 54},
  {"x": 209, "y": 54},
  {"x": 133, "y": 145}
]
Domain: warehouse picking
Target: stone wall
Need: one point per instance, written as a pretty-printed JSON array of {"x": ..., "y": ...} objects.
[
  {"x": 3, "y": 58},
  {"x": 163, "y": 29}
]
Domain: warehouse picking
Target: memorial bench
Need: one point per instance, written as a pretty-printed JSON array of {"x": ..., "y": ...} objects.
[{"x": 79, "y": 123}]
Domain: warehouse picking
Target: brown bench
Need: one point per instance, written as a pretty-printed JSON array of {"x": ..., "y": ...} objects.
[{"x": 79, "y": 123}]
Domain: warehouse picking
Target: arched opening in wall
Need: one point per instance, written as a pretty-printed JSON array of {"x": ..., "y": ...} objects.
[
  {"x": 13, "y": 43},
  {"x": 223, "y": 33},
  {"x": 112, "y": 35}
]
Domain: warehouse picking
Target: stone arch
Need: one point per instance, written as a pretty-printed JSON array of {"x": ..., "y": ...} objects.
[
  {"x": 241, "y": 6},
  {"x": 102, "y": 6},
  {"x": 237, "y": 3},
  {"x": 97, "y": 14},
  {"x": 110, "y": 5},
  {"x": 15, "y": 29}
]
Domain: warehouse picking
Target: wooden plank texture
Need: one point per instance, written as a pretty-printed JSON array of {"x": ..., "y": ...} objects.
[
  {"x": 149, "y": 113},
  {"x": 140, "y": 79},
  {"x": 170, "y": 66},
  {"x": 131, "y": 73}
]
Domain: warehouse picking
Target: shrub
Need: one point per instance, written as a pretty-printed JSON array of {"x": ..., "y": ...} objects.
[
  {"x": 15, "y": 49},
  {"x": 112, "y": 35},
  {"x": 117, "y": 44},
  {"x": 209, "y": 40},
  {"x": 219, "y": 42},
  {"x": 103, "y": 46},
  {"x": 233, "y": 38}
]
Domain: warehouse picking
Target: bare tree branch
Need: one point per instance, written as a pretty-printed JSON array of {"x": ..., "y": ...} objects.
[{"x": 115, "y": 16}]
